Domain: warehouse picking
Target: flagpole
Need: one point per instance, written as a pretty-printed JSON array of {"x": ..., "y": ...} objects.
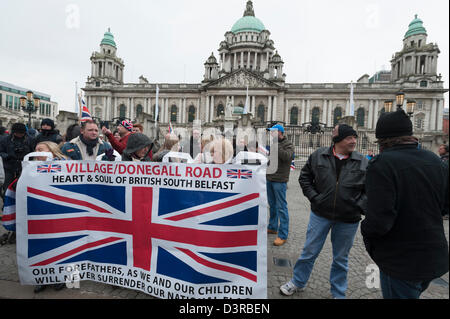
[
  {"x": 77, "y": 100},
  {"x": 157, "y": 111},
  {"x": 246, "y": 103}
]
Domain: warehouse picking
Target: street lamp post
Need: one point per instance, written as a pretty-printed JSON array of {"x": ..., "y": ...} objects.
[
  {"x": 400, "y": 100},
  {"x": 29, "y": 104}
]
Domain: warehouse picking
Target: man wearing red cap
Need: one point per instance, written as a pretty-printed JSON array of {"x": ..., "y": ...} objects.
[{"x": 125, "y": 128}]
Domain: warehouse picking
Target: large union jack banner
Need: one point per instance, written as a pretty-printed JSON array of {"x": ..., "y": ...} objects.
[{"x": 181, "y": 231}]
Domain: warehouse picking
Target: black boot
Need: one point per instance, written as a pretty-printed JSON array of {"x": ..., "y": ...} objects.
[{"x": 39, "y": 288}]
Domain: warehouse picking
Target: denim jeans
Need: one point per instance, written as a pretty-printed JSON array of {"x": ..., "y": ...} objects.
[
  {"x": 279, "y": 215},
  {"x": 342, "y": 236},
  {"x": 401, "y": 289}
]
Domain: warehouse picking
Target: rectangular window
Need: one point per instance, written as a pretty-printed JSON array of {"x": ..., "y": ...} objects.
[
  {"x": 9, "y": 101},
  {"x": 1, "y": 99}
]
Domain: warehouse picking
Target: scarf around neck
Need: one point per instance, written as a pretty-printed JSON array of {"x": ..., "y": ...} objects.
[{"x": 90, "y": 144}]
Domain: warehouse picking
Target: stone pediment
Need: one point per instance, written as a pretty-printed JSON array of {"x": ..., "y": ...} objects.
[{"x": 241, "y": 79}]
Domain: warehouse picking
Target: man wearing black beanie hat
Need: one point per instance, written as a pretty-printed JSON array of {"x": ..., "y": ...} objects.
[
  {"x": 48, "y": 133},
  {"x": 407, "y": 191},
  {"x": 333, "y": 181}
]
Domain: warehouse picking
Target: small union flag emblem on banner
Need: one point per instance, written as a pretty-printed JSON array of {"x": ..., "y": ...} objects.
[
  {"x": 239, "y": 173},
  {"x": 49, "y": 168}
]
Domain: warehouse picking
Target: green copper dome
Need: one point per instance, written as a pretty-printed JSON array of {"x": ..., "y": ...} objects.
[
  {"x": 108, "y": 39},
  {"x": 248, "y": 23},
  {"x": 415, "y": 27},
  {"x": 238, "y": 110}
]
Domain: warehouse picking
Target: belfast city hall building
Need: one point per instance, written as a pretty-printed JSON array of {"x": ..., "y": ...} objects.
[{"x": 248, "y": 64}]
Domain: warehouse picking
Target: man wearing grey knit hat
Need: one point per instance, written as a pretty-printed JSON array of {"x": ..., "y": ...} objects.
[{"x": 407, "y": 191}]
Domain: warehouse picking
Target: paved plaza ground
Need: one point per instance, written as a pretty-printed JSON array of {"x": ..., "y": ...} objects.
[{"x": 280, "y": 262}]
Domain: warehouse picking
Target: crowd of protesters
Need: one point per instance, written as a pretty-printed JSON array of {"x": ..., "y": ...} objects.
[{"x": 401, "y": 194}]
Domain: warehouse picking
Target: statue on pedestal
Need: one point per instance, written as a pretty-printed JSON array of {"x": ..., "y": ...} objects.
[{"x": 229, "y": 110}]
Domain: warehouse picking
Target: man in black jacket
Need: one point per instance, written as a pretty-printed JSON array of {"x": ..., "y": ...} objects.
[
  {"x": 407, "y": 190},
  {"x": 48, "y": 133},
  {"x": 333, "y": 181},
  {"x": 13, "y": 149}
]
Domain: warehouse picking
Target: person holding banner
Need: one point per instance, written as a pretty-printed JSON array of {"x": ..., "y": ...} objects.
[
  {"x": 139, "y": 149},
  {"x": 220, "y": 151},
  {"x": 171, "y": 144},
  {"x": 277, "y": 185},
  {"x": 87, "y": 146},
  {"x": 333, "y": 181}
]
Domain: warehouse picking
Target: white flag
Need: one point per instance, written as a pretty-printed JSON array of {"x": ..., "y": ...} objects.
[
  {"x": 77, "y": 100},
  {"x": 156, "y": 105},
  {"x": 352, "y": 102},
  {"x": 247, "y": 102}
]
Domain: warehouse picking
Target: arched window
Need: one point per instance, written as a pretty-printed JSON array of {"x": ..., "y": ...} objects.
[
  {"x": 360, "y": 115},
  {"x": 122, "y": 112},
  {"x": 261, "y": 113},
  {"x": 139, "y": 110},
  {"x": 419, "y": 121},
  {"x": 294, "y": 116},
  {"x": 220, "y": 110},
  {"x": 191, "y": 114},
  {"x": 337, "y": 116},
  {"x": 315, "y": 115},
  {"x": 173, "y": 113}
]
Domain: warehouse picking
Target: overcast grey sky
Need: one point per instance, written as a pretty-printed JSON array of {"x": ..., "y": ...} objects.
[{"x": 46, "y": 45}]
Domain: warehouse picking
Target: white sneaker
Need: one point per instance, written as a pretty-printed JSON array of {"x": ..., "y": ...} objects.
[{"x": 288, "y": 289}]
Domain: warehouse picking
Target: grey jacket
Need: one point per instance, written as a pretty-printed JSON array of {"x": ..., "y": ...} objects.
[{"x": 342, "y": 200}]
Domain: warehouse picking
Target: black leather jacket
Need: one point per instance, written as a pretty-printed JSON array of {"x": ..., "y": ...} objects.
[{"x": 342, "y": 200}]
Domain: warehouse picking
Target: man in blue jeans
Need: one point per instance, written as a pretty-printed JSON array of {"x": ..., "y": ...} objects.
[
  {"x": 333, "y": 181},
  {"x": 280, "y": 159}
]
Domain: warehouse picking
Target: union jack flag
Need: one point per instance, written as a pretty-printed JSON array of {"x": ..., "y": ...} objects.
[
  {"x": 196, "y": 236},
  {"x": 85, "y": 114},
  {"x": 49, "y": 168},
  {"x": 239, "y": 173}
]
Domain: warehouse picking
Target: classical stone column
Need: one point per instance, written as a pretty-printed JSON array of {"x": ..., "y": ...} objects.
[
  {"x": 255, "y": 67},
  {"x": 440, "y": 115},
  {"x": 207, "y": 109},
  {"x": 433, "y": 115},
  {"x": 242, "y": 59},
  {"x": 286, "y": 112},
  {"x": 370, "y": 118},
  {"x": 235, "y": 61},
  {"x": 275, "y": 108},
  {"x": 308, "y": 109},
  {"x": 330, "y": 113},
  {"x": 269, "y": 108},
  {"x": 131, "y": 112},
  {"x": 302, "y": 117},
  {"x": 211, "y": 113},
  {"x": 248, "y": 60},
  {"x": 375, "y": 113},
  {"x": 324, "y": 111}
]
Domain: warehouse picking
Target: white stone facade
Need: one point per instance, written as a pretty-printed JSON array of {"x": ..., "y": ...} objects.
[{"x": 248, "y": 59}]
